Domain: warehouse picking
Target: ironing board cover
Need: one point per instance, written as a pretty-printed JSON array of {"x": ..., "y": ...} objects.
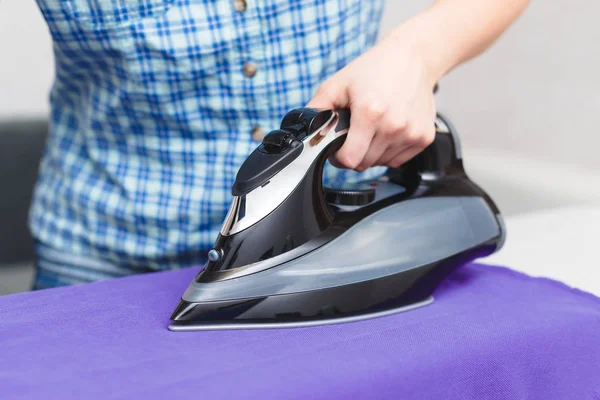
[{"x": 492, "y": 333}]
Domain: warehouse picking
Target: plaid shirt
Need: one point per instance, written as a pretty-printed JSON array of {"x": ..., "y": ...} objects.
[{"x": 155, "y": 105}]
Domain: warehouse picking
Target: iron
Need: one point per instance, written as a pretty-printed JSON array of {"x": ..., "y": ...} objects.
[{"x": 293, "y": 253}]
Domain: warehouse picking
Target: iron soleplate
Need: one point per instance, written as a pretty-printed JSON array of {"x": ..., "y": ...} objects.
[{"x": 190, "y": 326}]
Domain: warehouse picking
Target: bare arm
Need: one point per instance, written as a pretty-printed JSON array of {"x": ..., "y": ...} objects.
[
  {"x": 389, "y": 88},
  {"x": 454, "y": 31}
]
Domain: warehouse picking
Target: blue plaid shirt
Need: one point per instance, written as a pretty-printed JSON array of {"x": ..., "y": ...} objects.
[{"x": 155, "y": 105}]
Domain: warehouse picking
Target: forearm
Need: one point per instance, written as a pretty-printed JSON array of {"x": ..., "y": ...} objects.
[
  {"x": 451, "y": 32},
  {"x": 389, "y": 88}
]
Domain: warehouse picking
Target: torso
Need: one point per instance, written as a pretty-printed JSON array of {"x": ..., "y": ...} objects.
[{"x": 154, "y": 107}]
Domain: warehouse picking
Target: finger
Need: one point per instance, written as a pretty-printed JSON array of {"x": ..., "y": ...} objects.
[
  {"x": 330, "y": 95},
  {"x": 391, "y": 153},
  {"x": 411, "y": 138},
  {"x": 394, "y": 133},
  {"x": 363, "y": 124},
  {"x": 389, "y": 140},
  {"x": 404, "y": 156},
  {"x": 379, "y": 146}
]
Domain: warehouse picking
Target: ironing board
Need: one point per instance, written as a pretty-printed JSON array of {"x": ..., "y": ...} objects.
[
  {"x": 571, "y": 232},
  {"x": 491, "y": 333}
]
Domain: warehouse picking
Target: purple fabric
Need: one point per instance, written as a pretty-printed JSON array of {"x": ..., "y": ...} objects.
[{"x": 492, "y": 333}]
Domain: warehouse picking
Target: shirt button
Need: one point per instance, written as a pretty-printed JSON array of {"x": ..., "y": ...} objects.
[
  {"x": 239, "y": 5},
  {"x": 250, "y": 69},
  {"x": 258, "y": 134}
]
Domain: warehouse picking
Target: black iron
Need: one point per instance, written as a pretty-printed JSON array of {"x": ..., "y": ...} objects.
[{"x": 310, "y": 218}]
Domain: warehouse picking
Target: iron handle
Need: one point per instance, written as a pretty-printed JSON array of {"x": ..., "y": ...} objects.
[{"x": 439, "y": 159}]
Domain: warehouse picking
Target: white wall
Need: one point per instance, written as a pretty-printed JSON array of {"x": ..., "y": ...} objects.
[
  {"x": 26, "y": 62},
  {"x": 536, "y": 92}
]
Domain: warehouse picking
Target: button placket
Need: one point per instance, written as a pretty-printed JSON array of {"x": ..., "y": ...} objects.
[{"x": 251, "y": 55}]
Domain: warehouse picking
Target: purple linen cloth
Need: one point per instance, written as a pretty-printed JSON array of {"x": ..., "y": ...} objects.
[{"x": 491, "y": 333}]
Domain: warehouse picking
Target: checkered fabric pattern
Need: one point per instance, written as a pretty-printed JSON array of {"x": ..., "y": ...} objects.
[{"x": 153, "y": 109}]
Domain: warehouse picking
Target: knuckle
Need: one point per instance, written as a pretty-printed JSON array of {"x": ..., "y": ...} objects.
[
  {"x": 397, "y": 124},
  {"x": 326, "y": 89},
  {"x": 420, "y": 138},
  {"x": 411, "y": 136},
  {"x": 374, "y": 110},
  {"x": 393, "y": 127},
  {"x": 390, "y": 133},
  {"x": 428, "y": 137}
]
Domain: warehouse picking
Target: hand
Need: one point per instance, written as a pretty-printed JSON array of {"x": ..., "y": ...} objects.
[{"x": 389, "y": 90}]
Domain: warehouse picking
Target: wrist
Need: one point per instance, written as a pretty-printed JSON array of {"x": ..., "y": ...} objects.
[{"x": 423, "y": 34}]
